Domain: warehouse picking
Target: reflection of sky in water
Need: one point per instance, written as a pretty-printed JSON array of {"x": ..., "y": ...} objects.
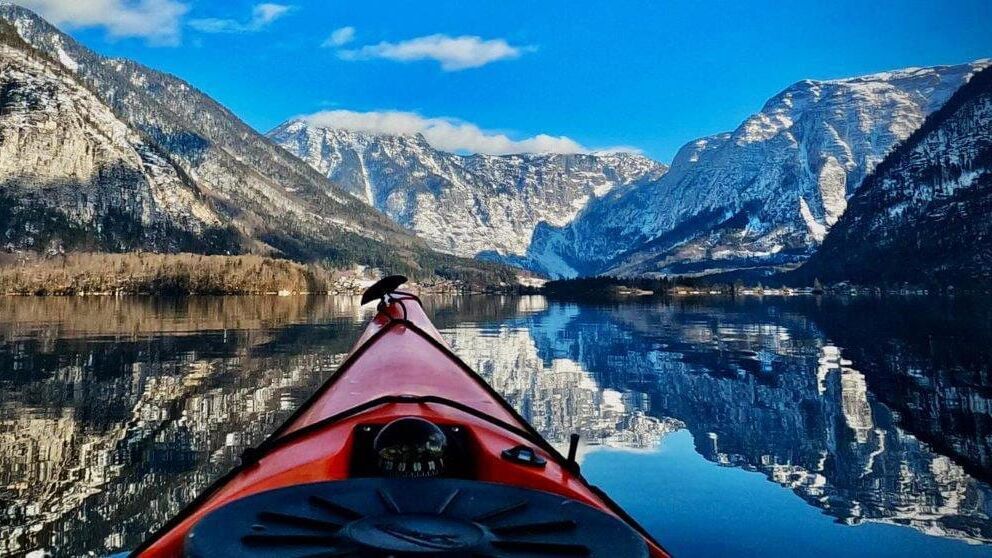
[
  {"x": 115, "y": 412},
  {"x": 701, "y": 509}
]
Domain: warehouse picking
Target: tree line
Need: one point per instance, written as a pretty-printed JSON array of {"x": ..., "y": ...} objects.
[{"x": 142, "y": 272}]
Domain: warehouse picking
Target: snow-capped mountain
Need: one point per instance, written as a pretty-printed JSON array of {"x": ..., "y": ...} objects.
[
  {"x": 203, "y": 170},
  {"x": 925, "y": 213},
  {"x": 72, "y": 171},
  {"x": 462, "y": 204},
  {"x": 761, "y": 196}
]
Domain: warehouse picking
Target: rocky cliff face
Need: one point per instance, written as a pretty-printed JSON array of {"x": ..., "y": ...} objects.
[
  {"x": 71, "y": 171},
  {"x": 764, "y": 195},
  {"x": 924, "y": 214},
  {"x": 463, "y": 205}
]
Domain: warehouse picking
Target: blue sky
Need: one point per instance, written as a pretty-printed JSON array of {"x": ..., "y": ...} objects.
[{"x": 648, "y": 74}]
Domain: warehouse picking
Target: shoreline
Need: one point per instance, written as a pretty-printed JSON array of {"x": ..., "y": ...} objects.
[
  {"x": 273, "y": 294},
  {"x": 153, "y": 274},
  {"x": 519, "y": 291},
  {"x": 172, "y": 275}
]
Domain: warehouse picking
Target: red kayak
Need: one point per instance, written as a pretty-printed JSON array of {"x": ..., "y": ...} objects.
[{"x": 404, "y": 451}]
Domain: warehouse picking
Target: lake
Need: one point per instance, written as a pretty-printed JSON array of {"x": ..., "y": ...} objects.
[{"x": 757, "y": 426}]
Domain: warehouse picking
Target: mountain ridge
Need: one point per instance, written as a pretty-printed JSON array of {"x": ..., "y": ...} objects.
[
  {"x": 462, "y": 204},
  {"x": 68, "y": 163},
  {"x": 922, "y": 216},
  {"x": 762, "y": 196}
]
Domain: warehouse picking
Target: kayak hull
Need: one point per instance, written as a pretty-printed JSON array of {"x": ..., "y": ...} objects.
[{"x": 399, "y": 367}]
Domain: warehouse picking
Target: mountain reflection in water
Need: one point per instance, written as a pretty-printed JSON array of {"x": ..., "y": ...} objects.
[{"x": 116, "y": 412}]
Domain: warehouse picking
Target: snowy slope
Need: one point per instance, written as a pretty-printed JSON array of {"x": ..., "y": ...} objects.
[
  {"x": 72, "y": 172},
  {"x": 461, "y": 204},
  {"x": 925, "y": 214},
  {"x": 763, "y": 195}
]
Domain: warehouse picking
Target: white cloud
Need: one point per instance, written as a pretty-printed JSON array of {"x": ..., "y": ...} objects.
[
  {"x": 453, "y": 53},
  {"x": 447, "y": 134},
  {"x": 158, "y": 21},
  {"x": 619, "y": 149},
  {"x": 340, "y": 37},
  {"x": 262, "y": 15}
]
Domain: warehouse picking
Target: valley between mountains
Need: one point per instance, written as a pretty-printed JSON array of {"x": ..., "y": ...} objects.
[{"x": 882, "y": 178}]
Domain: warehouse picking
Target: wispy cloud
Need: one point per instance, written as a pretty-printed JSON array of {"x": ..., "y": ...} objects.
[
  {"x": 453, "y": 53},
  {"x": 448, "y": 134},
  {"x": 157, "y": 21},
  {"x": 262, "y": 15},
  {"x": 340, "y": 37}
]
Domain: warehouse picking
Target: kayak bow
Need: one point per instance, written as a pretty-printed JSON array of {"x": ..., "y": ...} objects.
[{"x": 404, "y": 451}]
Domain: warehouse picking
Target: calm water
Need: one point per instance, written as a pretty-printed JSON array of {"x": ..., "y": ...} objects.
[{"x": 757, "y": 427}]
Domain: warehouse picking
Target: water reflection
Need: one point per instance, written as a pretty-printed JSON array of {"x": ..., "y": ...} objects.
[
  {"x": 115, "y": 412},
  {"x": 558, "y": 397},
  {"x": 761, "y": 386}
]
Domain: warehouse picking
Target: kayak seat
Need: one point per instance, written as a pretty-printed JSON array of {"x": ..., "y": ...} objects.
[{"x": 379, "y": 517}]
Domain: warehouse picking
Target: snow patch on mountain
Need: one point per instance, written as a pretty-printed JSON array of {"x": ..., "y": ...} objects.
[{"x": 68, "y": 161}]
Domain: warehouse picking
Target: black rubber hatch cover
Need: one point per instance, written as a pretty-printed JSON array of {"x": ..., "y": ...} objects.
[{"x": 410, "y": 517}]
